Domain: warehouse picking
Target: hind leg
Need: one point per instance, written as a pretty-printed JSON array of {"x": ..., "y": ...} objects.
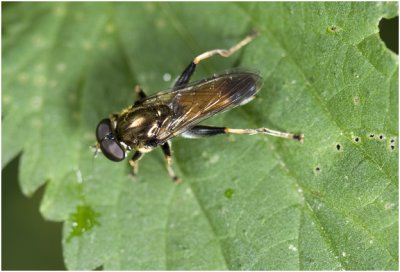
[{"x": 188, "y": 72}]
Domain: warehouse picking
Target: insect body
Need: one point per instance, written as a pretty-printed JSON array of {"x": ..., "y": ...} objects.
[{"x": 152, "y": 121}]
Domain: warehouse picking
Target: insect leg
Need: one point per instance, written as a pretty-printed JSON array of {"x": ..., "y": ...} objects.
[
  {"x": 204, "y": 131},
  {"x": 185, "y": 76},
  {"x": 188, "y": 72},
  {"x": 139, "y": 92},
  {"x": 141, "y": 95},
  {"x": 168, "y": 160},
  {"x": 226, "y": 52},
  {"x": 267, "y": 131},
  {"x": 134, "y": 162}
]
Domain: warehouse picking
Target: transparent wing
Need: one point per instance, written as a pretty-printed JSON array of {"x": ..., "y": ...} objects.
[{"x": 203, "y": 99}]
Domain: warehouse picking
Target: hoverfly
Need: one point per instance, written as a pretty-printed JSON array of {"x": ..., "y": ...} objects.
[{"x": 153, "y": 121}]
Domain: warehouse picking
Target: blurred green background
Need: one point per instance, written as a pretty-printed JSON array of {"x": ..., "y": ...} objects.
[{"x": 31, "y": 243}]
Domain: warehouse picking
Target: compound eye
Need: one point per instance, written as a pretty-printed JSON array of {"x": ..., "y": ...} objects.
[
  {"x": 103, "y": 128},
  {"x": 112, "y": 150}
]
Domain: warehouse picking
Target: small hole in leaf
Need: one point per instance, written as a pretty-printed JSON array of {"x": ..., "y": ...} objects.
[
  {"x": 317, "y": 169},
  {"x": 381, "y": 137},
  {"x": 356, "y": 100},
  {"x": 392, "y": 143},
  {"x": 356, "y": 139},
  {"x": 389, "y": 29},
  {"x": 371, "y": 135},
  {"x": 338, "y": 146},
  {"x": 333, "y": 29}
]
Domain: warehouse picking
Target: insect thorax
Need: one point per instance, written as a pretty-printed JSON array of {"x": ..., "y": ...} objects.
[{"x": 139, "y": 126}]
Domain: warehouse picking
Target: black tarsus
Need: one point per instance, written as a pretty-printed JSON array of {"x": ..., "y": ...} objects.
[
  {"x": 204, "y": 131},
  {"x": 137, "y": 156},
  {"x": 141, "y": 94},
  {"x": 166, "y": 149},
  {"x": 184, "y": 78}
]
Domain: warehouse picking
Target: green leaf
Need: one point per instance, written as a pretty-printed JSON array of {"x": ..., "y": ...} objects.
[{"x": 245, "y": 202}]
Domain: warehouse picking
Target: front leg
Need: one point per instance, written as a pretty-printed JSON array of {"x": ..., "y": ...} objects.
[
  {"x": 168, "y": 162},
  {"x": 134, "y": 162}
]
